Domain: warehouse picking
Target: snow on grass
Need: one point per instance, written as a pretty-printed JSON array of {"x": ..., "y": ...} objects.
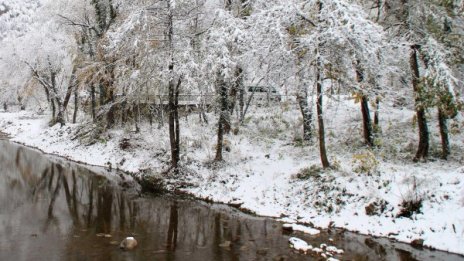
[{"x": 271, "y": 171}]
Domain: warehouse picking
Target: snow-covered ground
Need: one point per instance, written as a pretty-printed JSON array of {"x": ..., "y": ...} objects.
[{"x": 271, "y": 172}]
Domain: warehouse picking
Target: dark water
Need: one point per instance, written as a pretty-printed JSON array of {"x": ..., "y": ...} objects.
[{"x": 51, "y": 209}]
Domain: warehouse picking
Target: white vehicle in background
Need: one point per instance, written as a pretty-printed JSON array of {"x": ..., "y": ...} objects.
[{"x": 262, "y": 95}]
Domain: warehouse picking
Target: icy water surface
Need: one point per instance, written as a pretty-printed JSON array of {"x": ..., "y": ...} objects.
[{"x": 52, "y": 209}]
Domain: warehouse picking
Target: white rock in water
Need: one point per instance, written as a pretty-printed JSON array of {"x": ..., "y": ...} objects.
[{"x": 128, "y": 243}]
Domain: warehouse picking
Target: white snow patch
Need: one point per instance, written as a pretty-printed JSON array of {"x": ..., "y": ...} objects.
[
  {"x": 299, "y": 244},
  {"x": 301, "y": 228}
]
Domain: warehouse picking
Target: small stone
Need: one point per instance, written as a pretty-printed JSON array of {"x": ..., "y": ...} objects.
[
  {"x": 114, "y": 243},
  {"x": 417, "y": 243},
  {"x": 262, "y": 251},
  {"x": 287, "y": 228},
  {"x": 128, "y": 243},
  {"x": 108, "y": 236}
]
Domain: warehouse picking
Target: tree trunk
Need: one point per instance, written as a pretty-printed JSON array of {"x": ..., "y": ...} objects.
[
  {"x": 173, "y": 102},
  {"x": 366, "y": 115},
  {"x": 173, "y": 116},
  {"x": 93, "y": 102},
  {"x": 241, "y": 102},
  {"x": 176, "y": 120},
  {"x": 306, "y": 113},
  {"x": 222, "y": 116},
  {"x": 60, "y": 117},
  {"x": 102, "y": 93},
  {"x": 202, "y": 112},
  {"x": 234, "y": 91},
  {"x": 225, "y": 114},
  {"x": 250, "y": 98},
  {"x": 69, "y": 92},
  {"x": 47, "y": 93},
  {"x": 220, "y": 141},
  {"x": 423, "y": 149},
  {"x": 320, "y": 119},
  {"x": 76, "y": 105},
  {"x": 376, "y": 115},
  {"x": 367, "y": 123},
  {"x": 53, "y": 110},
  {"x": 445, "y": 144}
]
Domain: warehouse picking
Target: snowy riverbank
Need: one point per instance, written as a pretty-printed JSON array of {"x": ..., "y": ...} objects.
[{"x": 268, "y": 170}]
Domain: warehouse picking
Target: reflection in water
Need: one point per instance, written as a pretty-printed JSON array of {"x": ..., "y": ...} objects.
[
  {"x": 172, "y": 230},
  {"x": 51, "y": 209}
]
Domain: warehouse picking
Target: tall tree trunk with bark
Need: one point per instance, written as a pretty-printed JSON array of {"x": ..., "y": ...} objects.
[
  {"x": 52, "y": 102},
  {"x": 224, "y": 110},
  {"x": 367, "y": 123},
  {"x": 445, "y": 144},
  {"x": 176, "y": 118},
  {"x": 173, "y": 89},
  {"x": 63, "y": 105},
  {"x": 320, "y": 117},
  {"x": 231, "y": 97},
  {"x": 366, "y": 115},
  {"x": 423, "y": 149},
  {"x": 60, "y": 115},
  {"x": 76, "y": 105},
  {"x": 320, "y": 120},
  {"x": 93, "y": 102},
  {"x": 376, "y": 115},
  {"x": 302, "y": 99},
  {"x": 173, "y": 116},
  {"x": 102, "y": 91}
]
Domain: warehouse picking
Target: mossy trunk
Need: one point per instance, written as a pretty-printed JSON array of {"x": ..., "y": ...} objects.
[{"x": 423, "y": 148}]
